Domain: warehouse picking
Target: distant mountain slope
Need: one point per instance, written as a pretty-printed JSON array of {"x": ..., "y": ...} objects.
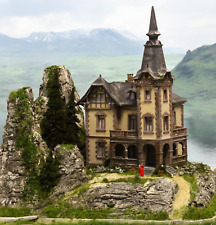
[
  {"x": 106, "y": 42},
  {"x": 96, "y": 42},
  {"x": 196, "y": 81}
]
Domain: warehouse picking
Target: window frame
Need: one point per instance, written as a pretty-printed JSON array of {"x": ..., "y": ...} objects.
[
  {"x": 166, "y": 123},
  {"x": 147, "y": 126},
  {"x": 99, "y": 117},
  {"x": 129, "y": 122},
  {"x": 165, "y": 95},
  {"x": 98, "y": 151},
  {"x": 148, "y": 99}
]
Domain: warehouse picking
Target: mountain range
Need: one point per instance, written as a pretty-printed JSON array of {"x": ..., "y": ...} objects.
[{"x": 96, "y": 42}]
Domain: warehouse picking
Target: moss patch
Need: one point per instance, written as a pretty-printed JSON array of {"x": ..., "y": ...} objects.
[
  {"x": 194, "y": 213},
  {"x": 14, "y": 212},
  {"x": 194, "y": 187},
  {"x": 25, "y": 141}
]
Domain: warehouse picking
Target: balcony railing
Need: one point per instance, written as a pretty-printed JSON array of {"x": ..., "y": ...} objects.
[
  {"x": 124, "y": 161},
  {"x": 179, "y": 131},
  {"x": 119, "y": 134}
]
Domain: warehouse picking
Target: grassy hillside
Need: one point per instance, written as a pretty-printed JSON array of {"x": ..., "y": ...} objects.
[{"x": 196, "y": 81}]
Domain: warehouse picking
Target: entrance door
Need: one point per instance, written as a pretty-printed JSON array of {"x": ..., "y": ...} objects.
[
  {"x": 149, "y": 154},
  {"x": 165, "y": 154}
]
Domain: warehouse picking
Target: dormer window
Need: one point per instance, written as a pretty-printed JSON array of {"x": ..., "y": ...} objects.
[
  {"x": 147, "y": 95},
  {"x": 132, "y": 95}
]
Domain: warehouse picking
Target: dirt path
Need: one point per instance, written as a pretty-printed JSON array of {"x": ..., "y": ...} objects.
[
  {"x": 182, "y": 198},
  {"x": 114, "y": 176}
]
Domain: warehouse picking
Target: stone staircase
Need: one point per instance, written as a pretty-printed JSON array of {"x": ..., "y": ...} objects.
[
  {"x": 148, "y": 170},
  {"x": 171, "y": 171}
]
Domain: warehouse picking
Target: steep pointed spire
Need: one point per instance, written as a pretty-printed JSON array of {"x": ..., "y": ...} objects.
[
  {"x": 153, "y": 30},
  {"x": 153, "y": 61}
]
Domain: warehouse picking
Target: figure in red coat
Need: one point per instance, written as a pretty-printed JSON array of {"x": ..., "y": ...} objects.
[{"x": 141, "y": 170}]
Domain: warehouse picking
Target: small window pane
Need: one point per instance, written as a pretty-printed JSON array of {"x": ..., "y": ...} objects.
[
  {"x": 166, "y": 124},
  {"x": 148, "y": 95},
  {"x": 101, "y": 122},
  {"x": 132, "y": 122},
  {"x": 148, "y": 124},
  {"x": 101, "y": 149},
  {"x": 165, "y": 95}
]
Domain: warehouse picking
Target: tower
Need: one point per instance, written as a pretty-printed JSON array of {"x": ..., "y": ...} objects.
[{"x": 154, "y": 102}]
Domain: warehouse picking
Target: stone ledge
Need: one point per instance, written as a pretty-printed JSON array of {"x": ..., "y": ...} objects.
[{"x": 15, "y": 219}]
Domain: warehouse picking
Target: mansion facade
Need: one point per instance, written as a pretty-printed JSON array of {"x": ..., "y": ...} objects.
[{"x": 137, "y": 121}]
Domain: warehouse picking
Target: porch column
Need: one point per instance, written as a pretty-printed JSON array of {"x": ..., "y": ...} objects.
[
  {"x": 159, "y": 153},
  {"x": 140, "y": 153},
  {"x": 126, "y": 151}
]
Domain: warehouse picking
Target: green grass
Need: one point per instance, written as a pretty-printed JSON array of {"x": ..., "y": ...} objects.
[
  {"x": 194, "y": 213},
  {"x": 65, "y": 210},
  {"x": 194, "y": 187},
  {"x": 133, "y": 180},
  {"x": 80, "y": 190},
  {"x": 146, "y": 215},
  {"x": 14, "y": 212}
]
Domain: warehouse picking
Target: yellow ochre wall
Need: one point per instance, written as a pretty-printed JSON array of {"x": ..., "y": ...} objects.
[
  {"x": 92, "y": 142},
  {"x": 178, "y": 110},
  {"x": 147, "y": 107},
  {"x": 92, "y": 122},
  {"x": 124, "y": 116},
  {"x": 165, "y": 109}
]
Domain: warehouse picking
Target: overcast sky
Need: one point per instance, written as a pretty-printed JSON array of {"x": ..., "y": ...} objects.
[{"x": 186, "y": 24}]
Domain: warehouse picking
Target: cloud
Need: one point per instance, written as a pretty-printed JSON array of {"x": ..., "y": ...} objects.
[{"x": 181, "y": 22}]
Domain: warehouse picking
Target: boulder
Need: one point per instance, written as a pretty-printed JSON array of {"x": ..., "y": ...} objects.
[
  {"x": 157, "y": 195},
  {"x": 72, "y": 169}
]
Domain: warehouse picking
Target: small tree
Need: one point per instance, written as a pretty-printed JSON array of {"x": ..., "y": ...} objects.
[
  {"x": 53, "y": 123},
  {"x": 71, "y": 122}
]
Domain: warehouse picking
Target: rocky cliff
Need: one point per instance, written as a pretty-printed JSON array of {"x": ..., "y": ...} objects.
[{"x": 24, "y": 153}]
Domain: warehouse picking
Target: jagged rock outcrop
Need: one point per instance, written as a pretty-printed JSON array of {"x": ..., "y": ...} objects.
[
  {"x": 13, "y": 175},
  {"x": 157, "y": 195},
  {"x": 72, "y": 169},
  {"x": 207, "y": 187},
  {"x": 66, "y": 84},
  {"x": 23, "y": 120}
]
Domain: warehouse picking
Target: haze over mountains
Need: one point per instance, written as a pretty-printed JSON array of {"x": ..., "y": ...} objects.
[
  {"x": 106, "y": 42},
  {"x": 113, "y": 54}
]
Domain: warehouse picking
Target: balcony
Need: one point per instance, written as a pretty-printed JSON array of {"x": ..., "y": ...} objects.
[
  {"x": 179, "y": 131},
  {"x": 119, "y": 134}
]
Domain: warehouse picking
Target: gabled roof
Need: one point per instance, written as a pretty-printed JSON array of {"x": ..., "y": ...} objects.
[
  {"x": 153, "y": 61},
  {"x": 120, "y": 92}
]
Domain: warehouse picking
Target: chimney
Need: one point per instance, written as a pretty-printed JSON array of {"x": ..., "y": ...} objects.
[{"x": 130, "y": 78}]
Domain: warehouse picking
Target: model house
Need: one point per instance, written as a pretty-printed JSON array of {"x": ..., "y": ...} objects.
[{"x": 140, "y": 120}]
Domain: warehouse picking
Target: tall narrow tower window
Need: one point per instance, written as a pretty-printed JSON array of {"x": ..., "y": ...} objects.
[
  {"x": 147, "y": 95},
  {"x": 165, "y": 98},
  {"x": 166, "y": 123}
]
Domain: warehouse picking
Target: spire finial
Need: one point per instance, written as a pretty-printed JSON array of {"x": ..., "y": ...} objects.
[{"x": 153, "y": 30}]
